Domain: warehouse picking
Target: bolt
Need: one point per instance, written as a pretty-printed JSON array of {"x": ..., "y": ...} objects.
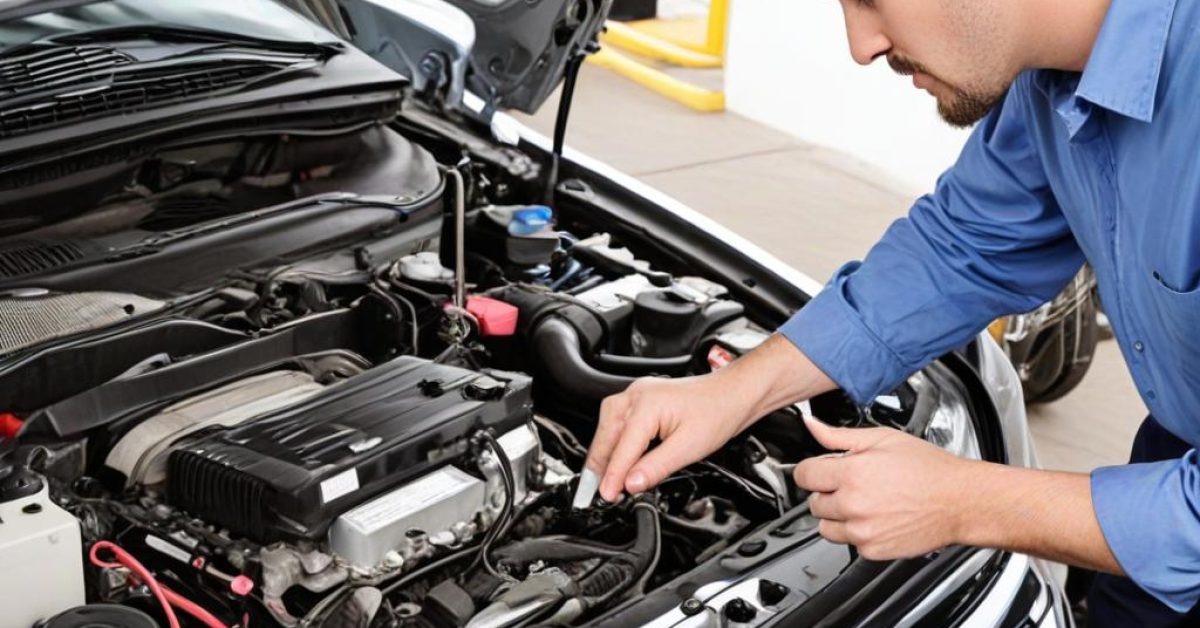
[{"x": 691, "y": 606}]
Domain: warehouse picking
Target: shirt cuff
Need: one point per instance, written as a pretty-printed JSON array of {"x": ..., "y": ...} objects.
[
  {"x": 1148, "y": 514},
  {"x": 833, "y": 335}
]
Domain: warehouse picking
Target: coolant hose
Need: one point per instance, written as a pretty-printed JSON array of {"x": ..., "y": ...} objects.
[{"x": 557, "y": 345}]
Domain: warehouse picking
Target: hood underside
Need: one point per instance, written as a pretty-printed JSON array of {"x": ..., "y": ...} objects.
[{"x": 509, "y": 53}]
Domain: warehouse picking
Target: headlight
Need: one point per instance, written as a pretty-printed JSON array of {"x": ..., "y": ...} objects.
[{"x": 949, "y": 425}]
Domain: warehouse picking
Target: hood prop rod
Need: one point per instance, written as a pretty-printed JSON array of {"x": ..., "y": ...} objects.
[{"x": 571, "y": 73}]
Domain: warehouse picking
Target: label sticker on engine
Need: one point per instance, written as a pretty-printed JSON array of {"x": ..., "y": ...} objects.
[
  {"x": 343, "y": 483},
  {"x": 167, "y": 548},
  {"x": 443, "y": 484}
]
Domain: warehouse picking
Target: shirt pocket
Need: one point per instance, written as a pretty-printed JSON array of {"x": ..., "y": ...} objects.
[
  {"x": 1171, "y": 288},
  {"x": 1176, "y": 314}
]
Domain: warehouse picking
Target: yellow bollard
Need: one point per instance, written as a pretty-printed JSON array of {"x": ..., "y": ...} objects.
[
  {"x": 686, "y": 42},
  {"x": 683, "y": 92},
  {"x": 633, "y": 40}
]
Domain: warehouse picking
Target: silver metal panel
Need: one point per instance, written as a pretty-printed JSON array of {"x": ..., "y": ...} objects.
[
  {"x": 522, "y": 448},
  {"x": 28, "y": 320},
  {"x": 430, "y": 504}
]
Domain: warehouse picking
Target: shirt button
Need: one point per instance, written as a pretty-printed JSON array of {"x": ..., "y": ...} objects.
[
  {"x": 1150, "y": 395},
  {"x": 1139, "y": 347}
]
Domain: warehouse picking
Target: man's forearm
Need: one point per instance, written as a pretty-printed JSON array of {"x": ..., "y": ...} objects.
[
  {"x": 1043, "y": 513},
  {"x": 774, "y": 375}
]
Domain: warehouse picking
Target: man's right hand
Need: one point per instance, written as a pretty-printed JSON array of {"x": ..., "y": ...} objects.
[{"x": 693, "y": 416}]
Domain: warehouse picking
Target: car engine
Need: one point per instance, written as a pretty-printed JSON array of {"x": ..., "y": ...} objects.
[{"x": 266, "y": 382}]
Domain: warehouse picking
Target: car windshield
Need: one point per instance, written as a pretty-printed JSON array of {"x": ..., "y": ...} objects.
[{"x": 262, "y": 19}]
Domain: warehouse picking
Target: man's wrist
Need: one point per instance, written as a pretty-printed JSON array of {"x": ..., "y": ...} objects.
[
  {"x": 744, "y": 382},
  {"x": 777, "y": 374},
  {"x": 973, "y": 509}
]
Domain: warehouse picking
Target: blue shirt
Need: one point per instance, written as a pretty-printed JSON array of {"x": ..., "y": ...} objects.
[{"x": 1103, "y": 165}]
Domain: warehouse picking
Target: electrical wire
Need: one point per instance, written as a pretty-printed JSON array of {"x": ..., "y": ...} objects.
[
  {"x": 500, "y": 527},
  {"x": 167, "y": 597},
  {"x": 427, "y": 569},
  {"x": 393, "y": 302},
  {"x": 749, "y": 487},
  {"x": 126, "y": 560},
  {"x": 192, "y": 608},
  {"x": 315, "y": 614},
  {"x": 497, "y": 530}
]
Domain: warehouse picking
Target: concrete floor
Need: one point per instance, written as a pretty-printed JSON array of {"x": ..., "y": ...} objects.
[{"x": 814, "y": 208}]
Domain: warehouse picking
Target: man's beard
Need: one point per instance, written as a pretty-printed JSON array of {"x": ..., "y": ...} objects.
[{"x": 964, "y": 108}]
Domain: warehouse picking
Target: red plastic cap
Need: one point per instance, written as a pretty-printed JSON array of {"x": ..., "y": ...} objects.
[
  {"x": 496, "y": 318},
  {"x": 241, "y": 585},
  {"x": 719, "y": 357},
  {"x": 10, "y": 424}
]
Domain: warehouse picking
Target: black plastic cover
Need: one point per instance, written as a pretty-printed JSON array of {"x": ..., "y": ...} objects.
[{"x": 287, "y": 475}]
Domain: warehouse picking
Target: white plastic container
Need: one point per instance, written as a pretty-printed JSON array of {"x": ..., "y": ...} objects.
[{"x": 41, "y": 560}]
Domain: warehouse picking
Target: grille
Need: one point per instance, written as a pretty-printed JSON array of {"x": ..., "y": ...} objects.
[
  {"x": 217, "y": 492},
  {"x": 52, "y": 88},
  {"x": 26, "y": 257},
  {"x": 57, "y": 67},
  {"x": 25, "y": 321},
  {"x": 173, "y": 213}
]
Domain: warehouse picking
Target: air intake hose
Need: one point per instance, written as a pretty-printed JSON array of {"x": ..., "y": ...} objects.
[{"x": 558, "y": 347}]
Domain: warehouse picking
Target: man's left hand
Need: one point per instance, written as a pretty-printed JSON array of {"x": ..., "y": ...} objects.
[{"x": 891, "y": 495}]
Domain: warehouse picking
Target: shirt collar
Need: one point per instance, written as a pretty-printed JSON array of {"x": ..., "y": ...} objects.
[{"x": 1122, "y": 71}]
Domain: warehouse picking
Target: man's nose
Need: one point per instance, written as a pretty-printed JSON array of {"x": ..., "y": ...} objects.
[{"x": 865, "y": 34}]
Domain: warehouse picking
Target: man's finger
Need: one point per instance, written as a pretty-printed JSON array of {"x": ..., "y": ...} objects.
[
  {"x": 834, "y": 531},
  {"x": 819, "y": 475},
  {"x": 844, "y": 438},
  {"x": 634, "y": 439},
  {"x": 670, "y": 456},
  {"x": 826, "y": 506},
  {"x": 613, "y": 412}
]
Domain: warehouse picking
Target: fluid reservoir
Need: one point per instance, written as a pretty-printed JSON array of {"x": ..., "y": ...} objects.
[
  {"x": 672, "y": 322},
  {"x": 41, "y": 553},
  {"x": 661, "y": 321}
]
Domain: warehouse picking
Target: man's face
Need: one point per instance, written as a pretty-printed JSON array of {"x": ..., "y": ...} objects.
[{"x": 960, "y": 51}]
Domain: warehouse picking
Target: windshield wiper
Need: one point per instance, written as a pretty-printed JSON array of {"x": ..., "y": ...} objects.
[{"x": 190, "y": 34}]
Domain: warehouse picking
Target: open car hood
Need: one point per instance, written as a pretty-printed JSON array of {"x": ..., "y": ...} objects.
[{"x": 478, "y": 56}]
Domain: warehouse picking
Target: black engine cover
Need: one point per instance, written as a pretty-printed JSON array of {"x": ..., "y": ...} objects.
[{"x": 288, "y": 474}]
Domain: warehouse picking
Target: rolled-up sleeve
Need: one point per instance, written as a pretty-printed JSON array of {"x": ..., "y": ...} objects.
[
  {"x": 1150, "y": 516},
  {"x": 989, "y": 241}
]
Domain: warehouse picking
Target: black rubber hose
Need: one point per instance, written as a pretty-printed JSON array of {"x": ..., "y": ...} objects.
[
  {"x": 639, "y": 365},
  {"x": 557, "y": 345},
  {"x": 615, "y": 577},
  {"x": 565, "y": 549}
]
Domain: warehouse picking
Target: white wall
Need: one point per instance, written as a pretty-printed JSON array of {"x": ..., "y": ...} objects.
[{"x": 788, "y": 66}]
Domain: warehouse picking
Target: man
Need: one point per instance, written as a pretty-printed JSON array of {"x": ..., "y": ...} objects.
[{"x": 1089, "y": 116}]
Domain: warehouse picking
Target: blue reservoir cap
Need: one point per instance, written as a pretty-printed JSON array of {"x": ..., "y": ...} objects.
[{"x": 530, "y": 220}]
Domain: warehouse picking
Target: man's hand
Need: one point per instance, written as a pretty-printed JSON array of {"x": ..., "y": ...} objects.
[
  {"x": 892, "y": 495},
  {"x": 694, "y": 416},
  {"x": 691, "y": 416}
]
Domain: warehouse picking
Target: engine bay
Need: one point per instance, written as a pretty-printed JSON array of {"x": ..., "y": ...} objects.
[{"x": 315, "y": 387}]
